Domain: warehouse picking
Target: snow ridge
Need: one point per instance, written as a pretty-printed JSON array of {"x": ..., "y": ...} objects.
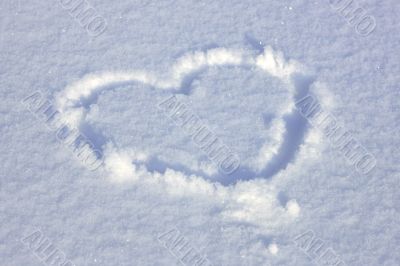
[
  {"x": 74, "y": 101},
  {"x": 247, "y": 198}
]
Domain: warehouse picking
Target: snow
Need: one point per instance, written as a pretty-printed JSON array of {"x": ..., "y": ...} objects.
[
  {"x": 273, "y": 248},
  {"x": 100, "y": 170}
]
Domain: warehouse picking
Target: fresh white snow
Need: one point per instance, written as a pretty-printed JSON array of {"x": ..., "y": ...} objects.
[{"x": 182, "y": 132}]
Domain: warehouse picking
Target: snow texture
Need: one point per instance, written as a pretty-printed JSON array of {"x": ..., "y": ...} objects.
[{"x": 111, "y": 113}]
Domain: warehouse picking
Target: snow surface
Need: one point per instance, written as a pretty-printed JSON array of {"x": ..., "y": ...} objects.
[{"x": 237, "y": 66}]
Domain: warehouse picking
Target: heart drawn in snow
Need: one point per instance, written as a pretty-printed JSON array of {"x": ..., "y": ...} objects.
[{"x": 178, "y": 94}]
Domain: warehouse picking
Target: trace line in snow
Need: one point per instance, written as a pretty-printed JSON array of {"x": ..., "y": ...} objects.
[{"x": 289, "y": 127}]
